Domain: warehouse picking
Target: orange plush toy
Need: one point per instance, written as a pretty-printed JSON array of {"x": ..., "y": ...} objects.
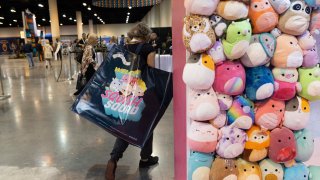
[{"x": 262, "y": 16}]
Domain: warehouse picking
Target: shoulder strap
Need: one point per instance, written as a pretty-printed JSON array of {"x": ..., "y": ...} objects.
[{"x": 138, "y": 50}]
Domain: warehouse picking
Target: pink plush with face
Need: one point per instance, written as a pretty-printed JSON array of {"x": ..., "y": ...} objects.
[
  {"x": 203, "y": 105},
  {"x": 230, "y": 78},
  {"x": 269, "y": 114},
  {"x": 202, "y": 137}
]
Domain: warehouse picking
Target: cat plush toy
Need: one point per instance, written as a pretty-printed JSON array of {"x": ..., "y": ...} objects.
[
  {"x": 203, "y": 66},
  {"x": 241, "y": 113},
  {"x": 314, "y": 172},
  {"x": 248, "y": 170},
  {"x": 201, "y": 7},
  {"x": 310, "y": 81},
  {"x": 198, "y": 36},
  {"x": 269, "y": 113},
  {"x": 271, "y": 170},
  {"x": 305, "y": 145},
  {"x": 230, "y": 79},
  {"x": 280, "y": 6},
  {"x": 259, "y": 83},
  {"x": 288, "y": 53},
  {"x": 286, "y": 85},
  {"x": 310, "y": 55},
  {"x": 231, "y": 143},
  {"x": 297, "y": 172},
  {"x": 237, "y": 39},
  {"x": 295, "y": 21},
  {"x": 224, "y": 169},
  {"x": 219, "y": 25},
  {"x": 225, "y": 102},
  {"x": 199, "y": 165},
  {"x": 202, "y": 137},
  {"x": 262, "y": 16},
  {"x": 297, "y": 113},
  {"x": 256, "y": 148},
  {"x": 260, "y": 51},
  {"x": 283, "y": 146},
  {"x": 217, "y": 54},
  {"x": 203, "y": 105},
  {"x": 232, "y": 10}
]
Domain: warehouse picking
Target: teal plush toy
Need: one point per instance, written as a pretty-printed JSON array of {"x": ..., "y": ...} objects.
[
  {"x": 305, "y": 145},
  {"x": 199, "y": 165},
  {"x": 310, "y": 81},
  {"x": 314, "y": 172},
  {"x": 237, "y": 39},
  {"x": 260, "y": 83},
  {"x": 313, "y": 3},
  {"x": 296, "y": 172}
]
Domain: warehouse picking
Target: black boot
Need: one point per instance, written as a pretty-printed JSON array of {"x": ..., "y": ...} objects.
[{"x": 150, "y": 162}]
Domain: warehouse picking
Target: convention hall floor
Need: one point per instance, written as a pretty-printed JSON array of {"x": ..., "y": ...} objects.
[{"x": 41, "y": 138}]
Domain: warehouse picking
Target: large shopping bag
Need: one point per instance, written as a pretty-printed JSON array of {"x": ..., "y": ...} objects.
[{"x": 126, "y": 97}]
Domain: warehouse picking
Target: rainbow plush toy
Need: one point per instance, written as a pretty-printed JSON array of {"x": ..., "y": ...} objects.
[{"x": 241, "y": 113}]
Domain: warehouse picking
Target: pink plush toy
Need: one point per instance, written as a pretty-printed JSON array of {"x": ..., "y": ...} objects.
[
  {"x": 202, "y": 137},
  {"x": 201, "y": 7},
  {"x": 310, "y": 56},
  {"x": 286, "y": 85},
  {"x": 225, "y": 102},
  {"x": 230, "y": 79},
  {"x": 216, "y": 52},
  {"x": 315, "y": 21},
  {"x": 231, "y": 143},
  {"x": 203, "y": 105}
]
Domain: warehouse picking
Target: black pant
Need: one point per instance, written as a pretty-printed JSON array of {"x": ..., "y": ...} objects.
[
  {"x": 59, "y": 55},
  {"x": 120, "y": 147}
]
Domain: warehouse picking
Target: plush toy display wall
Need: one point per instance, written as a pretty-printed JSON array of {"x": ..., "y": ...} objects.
[{"x": 253, "y": 67}]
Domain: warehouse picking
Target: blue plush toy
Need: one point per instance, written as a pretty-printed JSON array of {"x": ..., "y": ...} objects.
[
  {"x": 199, "y": 165},
  {"x": 260, "y": 83},
  {"x": 296, "y": 172},
  {"x": 313, "y": 3},
  {"x": 305, "y": 145},
  {"x": 314, "y": 172}
]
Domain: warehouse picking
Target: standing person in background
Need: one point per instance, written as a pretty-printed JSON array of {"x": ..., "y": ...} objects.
[
  {"x": 48, "y": 51},
  {"x": 58, "y": 52},
  {"x": 40, "y": 50},
  {"x": 122, "y": 40},
  {"x": 111, "y": 43},
  {"x": 154, "y": 41},
  {"x": 28, "y": 50},
  {"x": 139, "y": 36},
  {"x": 82, "y": 41}
]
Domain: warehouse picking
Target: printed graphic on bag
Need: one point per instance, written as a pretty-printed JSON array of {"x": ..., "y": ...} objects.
[{"x": 123, "y": 98}]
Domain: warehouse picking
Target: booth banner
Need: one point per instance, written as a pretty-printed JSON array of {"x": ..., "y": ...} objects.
[
  {"x": 8, "y": 45},
  {"x": 124, "y": 4},
  {"x": 29, "y": 26},
  {"x": 126, "y": 98}
]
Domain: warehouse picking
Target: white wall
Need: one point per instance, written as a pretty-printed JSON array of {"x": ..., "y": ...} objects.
[
  {"x": 10, "y": 32},
  {"x": 160, "y": 15}
]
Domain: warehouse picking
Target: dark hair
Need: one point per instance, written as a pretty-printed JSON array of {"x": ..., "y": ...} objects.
[{"x": 141, "y": 31}]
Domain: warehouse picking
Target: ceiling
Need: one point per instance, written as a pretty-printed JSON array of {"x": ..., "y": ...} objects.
[{"x": 67, "y": 8}]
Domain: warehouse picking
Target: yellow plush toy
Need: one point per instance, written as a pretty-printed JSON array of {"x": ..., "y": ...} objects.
[{"x": 248, "y": 170}]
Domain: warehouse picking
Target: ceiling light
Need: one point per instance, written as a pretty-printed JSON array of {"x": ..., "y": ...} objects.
[
  {"x": 40, "y": 5},
  {"x": 13, "y": 10},
  {"x": 10, "y": 24},
  {"x": 39, "y": 25},
  {"x": 130, "y": 7},
  {"x": 75, "y": 20},
  {"x": 103, "y": 23},
  {"x": 84, "y": 4},
  {"x": 64, "y": 15},
  {"x": 89, "y": 8},
  {"x": 49, "y": 20},
  {"x": 128, "y": 13},
  {"x": 1, "y": 22},
  {"x": 0, "y": 7},
  {"x": 82, "y": 23},
  {"x": 1, "y": 17},
  {"x": 95, "y": 14},
  {"x": 70, "y": 18},
  {"x": 43, "y": 19},
  {"x": 14, "y": 20},
  {"x": 61, "y": 24}
]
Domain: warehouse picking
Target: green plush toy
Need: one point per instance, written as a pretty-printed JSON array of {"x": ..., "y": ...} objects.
[
  {"x": 310, "y": 81},
  {"x": 314, "y": 172},
  {"x": 237, "y": 39}
]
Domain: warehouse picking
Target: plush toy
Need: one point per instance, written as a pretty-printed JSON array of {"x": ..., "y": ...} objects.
[
  {"x": 282, "y": 145},
  {"x": 297, "y": 113},
  {"x": 305, "y": 145},
  {"x": 297, "y": 172},
  {"x": 295, "y": 21},
  {"x": 310, "y": 56},
  {"x": 315, "y": 21},
  {"x": 262, "y": 16},
  {"x": 219, "y": 25},
  {"x": 313, "y": 3},
  {"x": 216, "y": 52},
  {"x": 260, "y": 51},
  {"x": 201, "y": 7},
  {"x": 256, "y": 147},
  {"x": 231, "y": 143},
  {"x": 203, "y": 105},
  {"x": 202, "y": 137},
  {"x": 259, "y": 83},
  {"x": 280, "y": 6},
  {"x": 224, "y": 169},
  {"x": 198, "y": 36},
  {"x": 314, "y": 172},
  {"x": 288, "y": 53},
  {"x": 237, "y": 39},
  {"x": 199, "y": 165},
  {"x": 310, "y": 81},
  {"x": 225, "y": 102},
  {"x": 232, "y": 10},
  {"x": 198, "y": 73},
  {"x": 248, "y": 170},
  {"x": 230, "y": 79},
  {"x": 241, "y": 113},
  {"x": 271, "y": 170},
  {"x": 286, "y": 85},
  {"x": 269, "y": 113}
]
